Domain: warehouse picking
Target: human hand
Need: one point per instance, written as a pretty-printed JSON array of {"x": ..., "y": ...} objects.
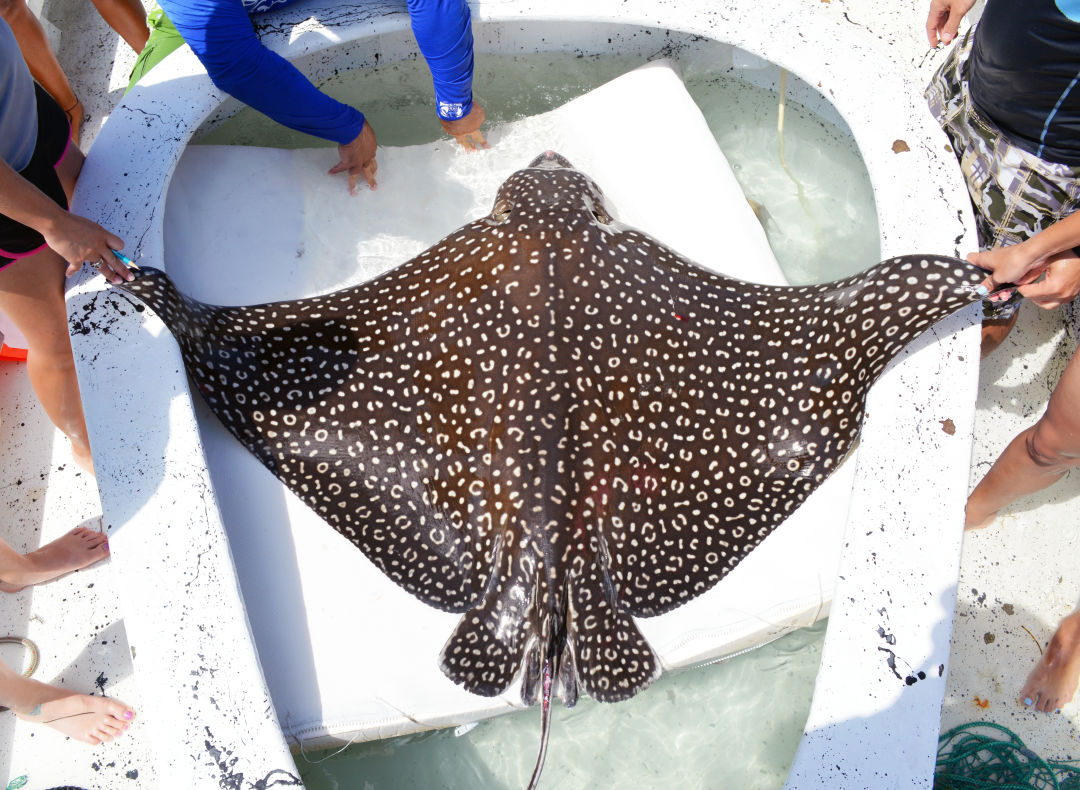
[
  {"x": 943, "y": 21},
  {"x": 1014, "y": 264},
  {"x": 1057, "y": 283},
  {"x": 467, "y": 130},
  {"x": 78, "y": 240},
  {"x": 358, "y": 158}
]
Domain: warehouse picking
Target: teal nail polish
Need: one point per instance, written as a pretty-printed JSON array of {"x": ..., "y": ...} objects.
[{"x": 982, "y": 290}]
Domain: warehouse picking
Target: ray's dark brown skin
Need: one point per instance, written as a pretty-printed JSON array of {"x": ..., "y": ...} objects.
[{"x": 552, "y": 423}]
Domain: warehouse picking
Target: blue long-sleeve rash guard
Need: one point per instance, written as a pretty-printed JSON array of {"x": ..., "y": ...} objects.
[{"x": 222, "y": 36}]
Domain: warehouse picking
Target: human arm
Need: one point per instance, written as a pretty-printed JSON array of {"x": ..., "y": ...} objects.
[
  {"x": 222, "y": 36},
  {"x": 443, "y": 31},
  {"x": 74, "y": 238},
  {"x": 943, "y": 21},
  {"x": 1044, "y": 266}
]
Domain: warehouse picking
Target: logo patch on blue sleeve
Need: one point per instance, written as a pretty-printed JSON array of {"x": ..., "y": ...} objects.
[
  {"x": 451, "y": 111},
  {"x": 262, "y": 6}
]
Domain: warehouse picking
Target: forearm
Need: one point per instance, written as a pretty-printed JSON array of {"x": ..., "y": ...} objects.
[
  {"x": 23, "y": 202},
  {"x": 222, "y": 37},
  {"x": 1061, "y": 236},
  {"x": 74, "y": 238},
  {"x": 1043, "y": 266},
  {"x": 443, "y": 31}
]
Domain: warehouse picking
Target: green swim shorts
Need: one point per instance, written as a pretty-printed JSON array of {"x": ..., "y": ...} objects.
[{"x": 163, "y": 40}]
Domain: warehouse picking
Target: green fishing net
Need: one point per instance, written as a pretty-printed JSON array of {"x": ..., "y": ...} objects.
[{"x": 986, "y": 755}]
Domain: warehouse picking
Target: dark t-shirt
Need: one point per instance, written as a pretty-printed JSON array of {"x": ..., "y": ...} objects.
[{"x": 1025, "y": 74}]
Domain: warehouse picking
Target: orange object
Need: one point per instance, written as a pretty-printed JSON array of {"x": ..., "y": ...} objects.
[
  {"x": 982, "y": 703},
  {"x": 10, "y": 354}
]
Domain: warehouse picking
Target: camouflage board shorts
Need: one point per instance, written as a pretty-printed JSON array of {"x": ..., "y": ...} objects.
[{"x": 1015, "y": 193}]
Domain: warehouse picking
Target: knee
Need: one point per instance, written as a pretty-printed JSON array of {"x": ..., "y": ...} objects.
[
  {"x": 55, "y": 356},
  {"x": 49, "y": 346},
  {"x": 1047, "y": 451}
]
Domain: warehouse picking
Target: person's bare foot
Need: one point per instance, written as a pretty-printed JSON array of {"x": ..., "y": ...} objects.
[
  {"x": 84, "y": 717},
  {"x": 77, "y": 549},
  {"x": 1053, "y": 681}
]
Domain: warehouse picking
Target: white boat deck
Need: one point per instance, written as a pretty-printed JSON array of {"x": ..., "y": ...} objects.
[
  {"x": 75, "y": 621},
  {"x": 1018, "y": 577},
  {"x": 1015, "y": 578}
]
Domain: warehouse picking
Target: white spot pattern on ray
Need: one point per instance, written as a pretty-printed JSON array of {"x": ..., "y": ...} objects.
[{"x": 551, "y": 422}]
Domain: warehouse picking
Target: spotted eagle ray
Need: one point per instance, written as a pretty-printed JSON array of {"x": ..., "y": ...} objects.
[{"x": 552, "y": 423}]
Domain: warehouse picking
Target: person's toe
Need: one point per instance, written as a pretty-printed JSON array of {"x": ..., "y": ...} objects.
[
  {"x": 109, "y": 730},
  {"x": 120, "y": 712}
]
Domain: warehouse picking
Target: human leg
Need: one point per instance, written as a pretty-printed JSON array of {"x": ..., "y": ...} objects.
[
  {"x": 84, "y": 717},
  {"x": 32, "y": 296},
  {"x": 77, "y": 549},
  {"x": 32, "y": 286},
  {"x": 994, "y": 332},
  {"x": 1037, "y": 457},
  {"x": 1053, "y": 681},
  {"x": 69, "y": 168},
  {"x": 127, "y": 18},
  {"x": 41, "y": 60}
]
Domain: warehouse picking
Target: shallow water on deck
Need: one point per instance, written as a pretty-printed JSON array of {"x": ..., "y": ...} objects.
[
  {"x": 818, "y": 211},
  {"x": 733, "y": 724}
]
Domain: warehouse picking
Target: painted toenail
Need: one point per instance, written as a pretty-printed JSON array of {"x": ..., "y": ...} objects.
[
  {"x": 1027, "y": 700},
  {"x": 128, "y": 714}
]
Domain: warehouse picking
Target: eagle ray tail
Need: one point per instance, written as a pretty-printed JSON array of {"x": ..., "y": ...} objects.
[{"x": 545, "y": 724}]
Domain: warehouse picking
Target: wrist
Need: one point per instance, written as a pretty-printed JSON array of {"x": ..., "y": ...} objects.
[
  {"x": 470, "y": 123},
  {"x": 50, "y": 222},
  {"x": 1037, "y": 250}
]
